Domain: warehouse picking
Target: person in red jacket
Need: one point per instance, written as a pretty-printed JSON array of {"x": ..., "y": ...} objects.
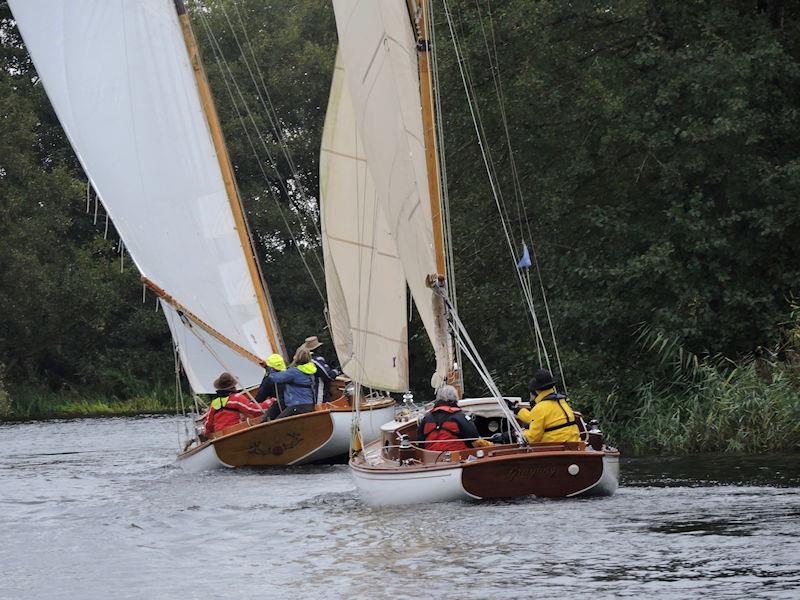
[
  {"x": 446, "y": 426},
  {"x": 229, "y": 407}
]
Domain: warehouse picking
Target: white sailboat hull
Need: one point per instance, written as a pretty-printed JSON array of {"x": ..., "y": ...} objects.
[{"x": 391, "y": 489}]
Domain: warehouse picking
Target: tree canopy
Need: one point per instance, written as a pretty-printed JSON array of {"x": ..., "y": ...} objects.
[{"x": 657, "y": 144}]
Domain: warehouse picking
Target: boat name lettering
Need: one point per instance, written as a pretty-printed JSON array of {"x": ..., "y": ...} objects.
[{"x": 529, "y": 471}]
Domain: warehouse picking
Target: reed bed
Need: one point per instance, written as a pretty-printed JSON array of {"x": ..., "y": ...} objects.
[{"x": 33, "y": 404}]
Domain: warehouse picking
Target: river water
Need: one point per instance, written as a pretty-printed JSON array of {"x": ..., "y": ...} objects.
[{"x": 96, "y": 508}]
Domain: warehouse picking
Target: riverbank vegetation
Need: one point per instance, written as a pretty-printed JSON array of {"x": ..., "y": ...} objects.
[{"x": 656, "y": 144}]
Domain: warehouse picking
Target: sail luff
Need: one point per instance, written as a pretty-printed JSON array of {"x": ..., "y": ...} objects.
[{"x": 207, "y": 101}]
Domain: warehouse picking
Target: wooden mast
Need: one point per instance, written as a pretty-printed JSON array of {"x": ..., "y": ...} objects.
[
  {"x": 429, "y": 133},
  {"x": 418, "y": 10},
  {"x": 202, "y": 324},
  {"x": 206, "y": 99}
]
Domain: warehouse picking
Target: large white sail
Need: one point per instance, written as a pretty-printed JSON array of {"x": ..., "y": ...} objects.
[
  {"x": 363, "y": 274},
  {"x": 119, "y": 77},
  {"x": 380, "y": 57}
]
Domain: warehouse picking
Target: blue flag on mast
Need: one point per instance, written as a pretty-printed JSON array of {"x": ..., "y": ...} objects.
[{"x": 525, "y": 261}]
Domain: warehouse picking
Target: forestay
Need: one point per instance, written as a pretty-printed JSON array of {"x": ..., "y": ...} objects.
[
  {"x": 363, "y": 274},
  {"x": 119, "y": 77},
  {"x": 380, "y": 57}
]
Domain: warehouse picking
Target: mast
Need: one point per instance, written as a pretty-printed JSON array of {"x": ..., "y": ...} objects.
[
  {"x": 418, "y": 10},
  {"x": 419, "y": 16},
  {"x": 242, "y": 228}
]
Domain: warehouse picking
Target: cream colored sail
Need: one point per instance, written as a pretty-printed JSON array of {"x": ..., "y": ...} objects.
[
  {"x": 380, "y": 58},
  {"x": 119, "y": 77},
  {"x": 363, "y": 274}
]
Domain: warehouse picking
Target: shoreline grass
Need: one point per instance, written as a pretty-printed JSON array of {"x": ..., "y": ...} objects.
[
  {"x": 40, "y": 404},
  {"x": 728, "y": 409}
]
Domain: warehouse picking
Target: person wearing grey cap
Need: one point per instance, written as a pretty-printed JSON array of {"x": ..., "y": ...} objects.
[{"x": 446, "y": 427}]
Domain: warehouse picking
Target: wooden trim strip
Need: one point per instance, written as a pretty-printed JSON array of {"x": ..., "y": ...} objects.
[{"x": 202, "y": 324}]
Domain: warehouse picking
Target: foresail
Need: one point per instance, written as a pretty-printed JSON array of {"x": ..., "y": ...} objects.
[
  {"x": 363, "y": 274},
  {"x": 380, "y": 57},
  {"x": 121, "y": 82}
]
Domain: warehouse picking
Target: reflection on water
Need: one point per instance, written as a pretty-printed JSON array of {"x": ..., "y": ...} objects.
[{"x": 95, "y": 508}]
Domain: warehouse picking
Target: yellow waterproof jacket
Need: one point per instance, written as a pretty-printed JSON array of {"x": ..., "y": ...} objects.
[{"x": 547, "y": 419}]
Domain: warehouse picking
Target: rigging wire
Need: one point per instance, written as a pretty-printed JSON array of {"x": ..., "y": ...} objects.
[
  {"x": 231, "y": 85},
  {"x": 522, "y": 215},
  {"x": 271, "y": 113},
  {"x": 492, "y": 174},
  {"x": 469, "y": 349}
]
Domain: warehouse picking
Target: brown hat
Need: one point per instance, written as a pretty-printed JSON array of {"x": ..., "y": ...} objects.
[
  {"x": 312, "y": 342},
  {"x": 225, "y": 382}
]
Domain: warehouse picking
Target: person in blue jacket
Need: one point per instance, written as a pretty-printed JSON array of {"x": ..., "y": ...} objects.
[
  {"x": 299, "y": 384},
  {"x": 325, "y": 372}
]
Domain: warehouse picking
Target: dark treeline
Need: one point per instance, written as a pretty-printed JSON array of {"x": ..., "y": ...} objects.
[{"x": 657, "y": 146}]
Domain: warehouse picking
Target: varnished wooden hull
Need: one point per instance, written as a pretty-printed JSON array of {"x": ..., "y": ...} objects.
[
  {"x": 301, "y": 439},
  {"x": 514, "y": 475}
]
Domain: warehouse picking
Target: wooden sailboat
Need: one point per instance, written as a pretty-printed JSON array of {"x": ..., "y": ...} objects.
[
  {"x": 382, "y": 229},
  {"x": 127, "y": 84}
]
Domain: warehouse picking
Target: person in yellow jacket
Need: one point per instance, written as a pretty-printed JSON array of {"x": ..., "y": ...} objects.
[{"x": 550, "y": 419}]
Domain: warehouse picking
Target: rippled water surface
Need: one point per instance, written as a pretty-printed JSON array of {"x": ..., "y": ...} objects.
[{"x": 97, "y": 509}]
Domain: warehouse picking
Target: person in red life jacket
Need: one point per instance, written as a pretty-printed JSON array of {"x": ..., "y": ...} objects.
[
  {"x": 229, "y": 407},
  {"x": 446, "y": 426}
]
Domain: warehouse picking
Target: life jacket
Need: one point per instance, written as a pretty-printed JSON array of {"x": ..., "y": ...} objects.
[
  {"x": 557, "y": 398},
  {"x": 310, "y": 370},
  {"x": 219, "y": 403},
  {"x": 442, "y": 431}
]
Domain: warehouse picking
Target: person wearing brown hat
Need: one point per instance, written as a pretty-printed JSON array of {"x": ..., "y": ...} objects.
[
  {"x": 325, "y": 373},
  {"x": 229, "y": 407}
]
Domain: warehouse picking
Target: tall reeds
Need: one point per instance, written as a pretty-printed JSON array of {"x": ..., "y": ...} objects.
[{"x": 710, "y": 404}]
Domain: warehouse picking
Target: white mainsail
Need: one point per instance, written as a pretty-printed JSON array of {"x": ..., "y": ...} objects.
[
  {"x": 380, "y": 57},
  {"x": 120, "y": 79},
  {"x": 363, "y": 274}
]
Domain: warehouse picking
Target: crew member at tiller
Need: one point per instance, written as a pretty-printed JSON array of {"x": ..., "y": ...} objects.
[
  {"x": 229, "y": 407},
  {"x": 446, "y": 427},
  {"x": 550, "y": 418}
]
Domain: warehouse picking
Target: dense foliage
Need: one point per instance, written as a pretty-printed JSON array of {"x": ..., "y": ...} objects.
[{"x": 658, "y": 149}]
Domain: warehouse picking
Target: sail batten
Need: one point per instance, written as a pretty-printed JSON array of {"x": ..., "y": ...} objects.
[{"x": 123, "y": 87}]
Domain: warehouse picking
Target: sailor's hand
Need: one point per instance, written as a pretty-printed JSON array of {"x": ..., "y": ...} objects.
[
  {"x": 481, "y": 443},
  {"x": 512, "y": 405}
]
